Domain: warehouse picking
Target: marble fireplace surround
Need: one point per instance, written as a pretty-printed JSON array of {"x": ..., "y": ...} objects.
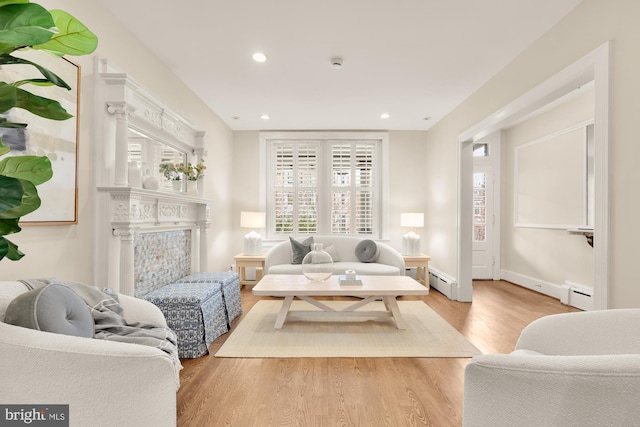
[{"x": 144, "y": 221}]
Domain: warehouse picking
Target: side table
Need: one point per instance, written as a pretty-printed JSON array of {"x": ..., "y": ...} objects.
[
  {"x": 243, "y": 261},
  {"x": 421, "y": 263}
]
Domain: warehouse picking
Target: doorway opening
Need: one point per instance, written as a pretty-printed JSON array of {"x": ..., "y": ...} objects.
[{"x": 593, "y": 67}]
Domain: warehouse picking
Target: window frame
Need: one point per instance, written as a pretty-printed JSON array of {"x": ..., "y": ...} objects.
[{"x": 324, "y": 139}]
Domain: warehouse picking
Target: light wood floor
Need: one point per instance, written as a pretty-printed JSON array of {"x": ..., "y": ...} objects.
[{"x": 357, "y": 391}]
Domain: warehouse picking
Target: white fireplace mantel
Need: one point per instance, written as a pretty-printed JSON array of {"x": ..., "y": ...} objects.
[{"x": 122, "y": 210}]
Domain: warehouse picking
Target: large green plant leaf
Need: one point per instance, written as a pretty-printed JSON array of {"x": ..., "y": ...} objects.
[
  {"x": 40, "y": 106},
  {"x": 4, "y": 247},
  {"x": 6, "y": 2},
  {"x": 12, "y": 251},
  {"x": 30, "y": 202},
  {"x": 52, "y": 77},
  {"x": 35, "y": 82},
  {"x": 73, "y": 38},
  {"x": 25, "y": 24},
  {"x": 9, "y": 226},
  {"x": 8, "y": 97},
  {"x": 36, "y": 169},
  {"x": 4, "y": 149},
  {"x": 11, "y": 193}
]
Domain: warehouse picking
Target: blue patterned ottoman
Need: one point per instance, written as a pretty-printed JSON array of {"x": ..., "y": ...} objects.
[
  {"x": 195, "y": 312},
  {"x": 230, "y": 282}
]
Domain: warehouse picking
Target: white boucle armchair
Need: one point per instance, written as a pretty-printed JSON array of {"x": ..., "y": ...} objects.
[
  {"x": 105, "y": 383},
  {"x": 573, "y": 369}
]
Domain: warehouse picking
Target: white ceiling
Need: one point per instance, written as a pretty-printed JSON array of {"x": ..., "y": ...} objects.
[{"x": 411, "y": 59}]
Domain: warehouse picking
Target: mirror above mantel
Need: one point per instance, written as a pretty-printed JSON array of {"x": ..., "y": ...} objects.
[
  {"x": 135, "y": 133},
  {"x": 146, "y": 154}
]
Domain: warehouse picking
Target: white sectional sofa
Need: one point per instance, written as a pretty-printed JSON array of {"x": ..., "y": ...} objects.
[{"x": 389, "y": 261}]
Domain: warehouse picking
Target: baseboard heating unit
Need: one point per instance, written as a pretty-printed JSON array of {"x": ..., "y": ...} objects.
[
  {"x": 576, "y": 295},
  {"x": 443, "y": 283}
]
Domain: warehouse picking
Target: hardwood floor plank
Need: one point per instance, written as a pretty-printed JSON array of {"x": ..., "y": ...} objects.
[{"x": 357, "y": 391}]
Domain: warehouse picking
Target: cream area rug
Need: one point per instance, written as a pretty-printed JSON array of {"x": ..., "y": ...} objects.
[{"x": 427, "y": 334}]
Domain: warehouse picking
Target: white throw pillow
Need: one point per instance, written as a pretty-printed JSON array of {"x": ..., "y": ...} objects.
[{"x": 331, "y": 250}]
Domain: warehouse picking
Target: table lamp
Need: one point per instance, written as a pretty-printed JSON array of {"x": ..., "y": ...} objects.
[
  {"x": 411, "y": 240},
  {"x": 252, "y": 240}
]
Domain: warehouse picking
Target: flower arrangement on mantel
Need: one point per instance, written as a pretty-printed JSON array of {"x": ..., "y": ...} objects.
[
  {"x": 193, "y": 172},
  {"x": 176, "y": 171},
  {"x": 171, "y": 171}
]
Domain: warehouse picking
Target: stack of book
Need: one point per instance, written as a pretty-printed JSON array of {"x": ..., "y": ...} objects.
[{"x": 344, "y": 280}]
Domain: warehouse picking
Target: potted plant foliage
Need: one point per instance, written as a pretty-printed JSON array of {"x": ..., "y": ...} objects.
[{"x": 25, "y": 26}]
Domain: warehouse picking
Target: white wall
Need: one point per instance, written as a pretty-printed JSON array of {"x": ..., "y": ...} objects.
[
  {"x": 545, "y": 254},
  {"x": 67, "y": 251},
  {"x": 246, "y": 182},
  {"x": 591, "y": 24},
  {"x": 407, "y": 181}
]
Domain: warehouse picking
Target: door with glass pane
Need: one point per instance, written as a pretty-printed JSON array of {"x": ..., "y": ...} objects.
[{"x": 482, "y": 257}]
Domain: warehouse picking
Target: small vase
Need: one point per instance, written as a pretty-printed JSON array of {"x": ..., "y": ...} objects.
[
  {"x": 135, "y": 175},
  {"x": 150, "y": 182},
  {"x": 317, "y": 265},
  {"x": 192, "y": 188},
  {"x": 177, "y": 185}
]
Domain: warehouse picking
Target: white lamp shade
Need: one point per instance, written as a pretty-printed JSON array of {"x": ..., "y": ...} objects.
[
  {"x": 253, "y": 220},
  {"x": 412, "y": 220}
]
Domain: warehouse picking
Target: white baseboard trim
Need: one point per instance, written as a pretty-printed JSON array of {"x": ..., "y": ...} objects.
[{"x": 547, "y": 288}]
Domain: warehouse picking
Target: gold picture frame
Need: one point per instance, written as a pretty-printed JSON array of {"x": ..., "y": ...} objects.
[{"x": 58, "y": 140}]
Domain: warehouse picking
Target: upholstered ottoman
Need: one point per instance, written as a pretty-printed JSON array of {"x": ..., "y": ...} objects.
[
  {"x": 195, "y": 312},
  {"x": 230, "y": 282}
]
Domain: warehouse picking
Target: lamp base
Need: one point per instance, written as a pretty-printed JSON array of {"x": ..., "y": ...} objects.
[
  {"x": 252, "y": 243},
  {"x": 411, "y": 244}
]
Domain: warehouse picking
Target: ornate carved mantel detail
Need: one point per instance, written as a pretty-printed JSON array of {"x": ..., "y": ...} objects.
[
  {"x": 123, "y": 211},
  {"x": 133, "y": 210}
]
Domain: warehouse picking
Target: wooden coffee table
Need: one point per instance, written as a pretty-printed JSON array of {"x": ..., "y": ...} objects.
[{"x": 373, "y": 288}]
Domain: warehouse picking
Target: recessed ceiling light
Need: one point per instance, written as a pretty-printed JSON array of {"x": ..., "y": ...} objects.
[
  {"x": 259, "y": 57},
  {"x": 265, "y": 116},
  {"x": 384, "y": 115}
]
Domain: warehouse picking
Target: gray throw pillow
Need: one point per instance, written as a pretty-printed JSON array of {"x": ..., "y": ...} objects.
[
  {"x": 52, "y": 308},
  {"x": 300, "y": 249},
  {"x": 367, "y": 251}
]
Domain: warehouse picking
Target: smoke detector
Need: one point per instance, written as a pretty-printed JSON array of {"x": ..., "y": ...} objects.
[{"x": 336, "y": 63}]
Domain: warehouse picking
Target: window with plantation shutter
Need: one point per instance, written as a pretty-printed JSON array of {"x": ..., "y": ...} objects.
[
  {"x": 324, "y": 186},
  {"x": 353, "y": 188},
  {"x": 295, "y": 201}
]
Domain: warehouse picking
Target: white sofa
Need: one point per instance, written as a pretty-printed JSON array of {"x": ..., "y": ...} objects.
[
  {"x": 389, "y": 262},
  {"x": 573, "y": 369},
  {"x": 105, "y": 383}
]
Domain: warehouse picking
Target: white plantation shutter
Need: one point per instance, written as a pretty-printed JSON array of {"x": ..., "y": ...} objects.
[
  {"x": 324, "y": 187},
  {"x": 307, "y": 195},
  {"x": 353, "y": 188},
  {"x": 283, "y": 188},
  {"x": 295, "y": 202},
  {"x": 365, "y": 187},
  {"x": 341, "y": 173}
]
